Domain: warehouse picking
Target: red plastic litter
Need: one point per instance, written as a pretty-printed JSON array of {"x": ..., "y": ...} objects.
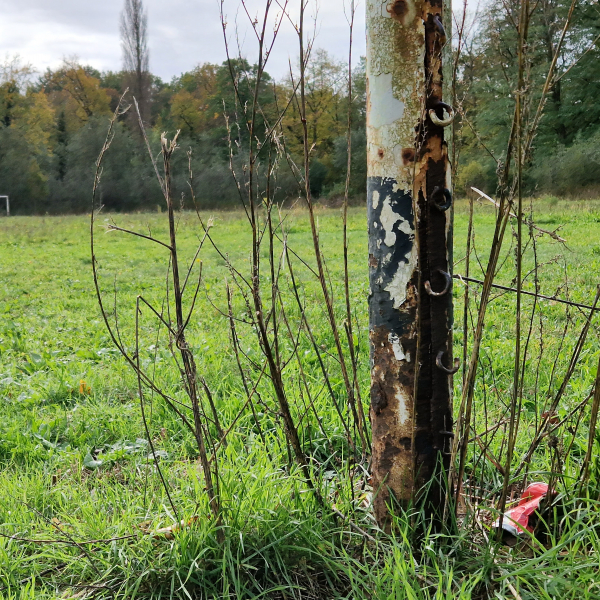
[{"x": 516, "y": 520}]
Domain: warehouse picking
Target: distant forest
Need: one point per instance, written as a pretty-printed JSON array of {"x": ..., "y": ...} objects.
[{"x": 52, "y": 126}]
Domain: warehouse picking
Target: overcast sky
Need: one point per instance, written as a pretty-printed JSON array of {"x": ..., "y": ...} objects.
[{"x": 182, "y": 33}]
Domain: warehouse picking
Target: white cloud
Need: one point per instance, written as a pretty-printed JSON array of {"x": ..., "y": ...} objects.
[{"x": 182, "y": 33}]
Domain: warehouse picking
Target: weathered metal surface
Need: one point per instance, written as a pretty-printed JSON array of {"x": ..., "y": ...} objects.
[
  {"x": 393, "y": 311},
  {"x": 409, "y": 227},
  {"x": 395, "y": 80},
  {"x": 433, "y": 199}
]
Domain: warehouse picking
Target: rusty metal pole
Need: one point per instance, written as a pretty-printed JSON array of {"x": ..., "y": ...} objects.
[{"x": 410, "y": 251}]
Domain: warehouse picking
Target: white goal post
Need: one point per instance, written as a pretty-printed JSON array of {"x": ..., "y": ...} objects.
[{"x": 7, "y": 204}]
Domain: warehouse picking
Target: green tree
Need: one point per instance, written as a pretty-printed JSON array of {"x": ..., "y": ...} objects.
[{"x": 487, "y": 83}]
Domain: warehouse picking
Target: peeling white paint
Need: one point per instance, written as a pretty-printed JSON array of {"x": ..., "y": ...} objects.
[
  {"x": 395, "y": 83},
  {"x": 388, "y": 219},
  {"x": 394, "y": 340},
  {"x": 389, "y": 109},
  {"x": 397, "y": 287},
  {"x": 375, "y": 199},
  {"x": 405, "y": 226},
  {"x": 404, "y": 401}
]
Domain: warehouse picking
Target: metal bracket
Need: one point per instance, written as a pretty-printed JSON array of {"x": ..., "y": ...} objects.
[
  {"x": 446, "y": 289},
  {"x": 442, "y": 122},
  {"x": 446, "y": 197},
  {"x": 439, "y": 364},
  {"x": 437, "y": 21}
]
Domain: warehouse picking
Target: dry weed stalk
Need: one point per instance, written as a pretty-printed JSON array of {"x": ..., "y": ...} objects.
[
  {"x": 525, "y": 122},
  {"x": 172, "y": 318},
  {"x": 265, "y": 302}
]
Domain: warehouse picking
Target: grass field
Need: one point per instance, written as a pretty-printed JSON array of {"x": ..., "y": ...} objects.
[{"x": 79, "y": 497}]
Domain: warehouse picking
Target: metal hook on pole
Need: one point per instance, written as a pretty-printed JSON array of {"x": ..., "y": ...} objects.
[
  {"x": 441, "y": 122},
  {"x": 440, "y": 365},
  {"x": 446, "y": 289},
  {"x": 443, "y": 194},
  {"x": 437, "y": 21}
]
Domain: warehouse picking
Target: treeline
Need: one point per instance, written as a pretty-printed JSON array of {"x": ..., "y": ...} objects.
[
  {"x": 566, "y": 158},
  {"x": 52, "y": 127},
  {"x": 52, "y": 130}
]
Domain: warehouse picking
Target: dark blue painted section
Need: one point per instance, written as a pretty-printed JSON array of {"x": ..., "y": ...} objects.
[{"x": 382, "y": 270}]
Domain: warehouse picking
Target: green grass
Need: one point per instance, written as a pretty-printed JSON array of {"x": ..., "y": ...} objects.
[{"x": 68, "y": 398}]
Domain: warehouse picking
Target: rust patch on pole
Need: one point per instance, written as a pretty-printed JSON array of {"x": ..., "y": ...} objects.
[
  {"x": 433, "y": 395},
  {"x": 398, "y": 10},
  {"x": 409, "y": 233},
  {"x": 393, "y": 311}
]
